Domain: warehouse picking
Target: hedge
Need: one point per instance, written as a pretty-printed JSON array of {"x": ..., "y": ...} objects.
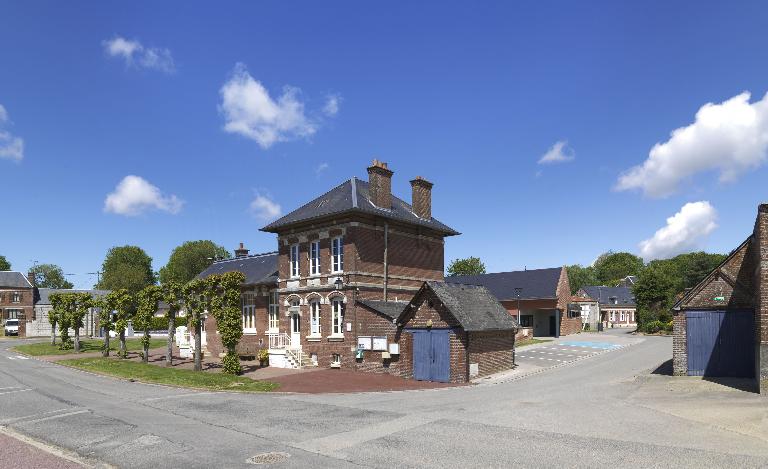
[{"x": 161, "y": 323}]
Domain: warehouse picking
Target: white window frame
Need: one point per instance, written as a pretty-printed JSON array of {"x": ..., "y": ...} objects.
[
  {"x": 16, "y": 297},
  {"x": 337, "y": 317},
  {"x": 295, "y": 265},
  {"x": 13, "y": 313},
  {"x": 314, "y": 258},
  {"x": 315, "y": 326},
  {"x": 335, "y": 359},
  {"x": 248, "y": 302},
  {"x": 621, "y": 316},
  {"x": 274, "y": 312},
  {"x": 337, "y": 254}
]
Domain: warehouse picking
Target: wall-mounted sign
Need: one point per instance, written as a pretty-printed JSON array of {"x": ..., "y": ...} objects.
[
  {"x": 719, "y": 298},
  {"x": 380, "y": 343},
  {"x": 364, "y": 343}
]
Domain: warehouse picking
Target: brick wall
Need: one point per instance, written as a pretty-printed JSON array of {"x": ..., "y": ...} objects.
[
  {"x": 493, "y": 351},
  {"x": 371, "y": 323},
  {"x": 679, "y": 344},
  {"x": 250, "y": 343},
  {"x": 25, "y": 307},
  {"x": 567, "y": 325},
  {"x": 761, "y": 302}
]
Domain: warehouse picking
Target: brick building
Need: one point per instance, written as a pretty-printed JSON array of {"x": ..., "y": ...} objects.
[
  {"x": 17, "y": 298},
  {"x": 347, "y": 265},
  {"x": 543, "y": 294},
  {"x": 721, "y": 325}
]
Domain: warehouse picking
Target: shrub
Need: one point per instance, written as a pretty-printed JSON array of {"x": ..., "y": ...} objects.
[
  {"x": 161, "y": 323},
  {"x": 263, "y": 355},
  {"x": 669, "y": 326},
  {"x": 653, "y": 327}
]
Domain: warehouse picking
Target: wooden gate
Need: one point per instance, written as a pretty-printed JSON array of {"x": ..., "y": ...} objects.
[
  {"x": 721, "y": 343},
  {"x": 431, "y": 355}
]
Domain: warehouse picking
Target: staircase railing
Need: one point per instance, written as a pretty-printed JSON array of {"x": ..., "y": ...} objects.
[{"x": 280, "y": 340}]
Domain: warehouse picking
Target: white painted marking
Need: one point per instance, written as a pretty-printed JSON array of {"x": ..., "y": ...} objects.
[
  {"x": 10, "y": 387},
  {"x": 53, "y": 417},
  {"x": 16, "y": 419},
  {"x": 22, "y": 357},
  {"x": 18, "y": 390}
]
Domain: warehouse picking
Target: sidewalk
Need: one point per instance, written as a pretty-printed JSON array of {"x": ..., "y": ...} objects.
[{"x": 20, "y": 452}]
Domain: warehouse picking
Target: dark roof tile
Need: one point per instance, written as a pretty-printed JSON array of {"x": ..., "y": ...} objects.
[
  {"x": 536, "y": 283},
  {"x": 259, "y": 269}
]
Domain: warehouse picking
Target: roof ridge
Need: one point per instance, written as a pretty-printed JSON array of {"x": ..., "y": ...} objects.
[{"x": 250, "y": 256}]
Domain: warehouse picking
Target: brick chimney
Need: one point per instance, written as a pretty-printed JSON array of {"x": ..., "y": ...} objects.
[
  {"x": 31, "y": 277},
  {"x": 241, "y": 251},
  {"x": 380, "y": 184},
  {"x": 421, "y": 198}
]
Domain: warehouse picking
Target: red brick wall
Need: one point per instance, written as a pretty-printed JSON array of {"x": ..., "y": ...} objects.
[
  {"x": 567, "y": 325},
  {"x": 371, "y": 323},
  {"x": 25, "y": 305},
  {"x": 249, "y": 344},
  {"x": 493, "y": 351},
  {"x": 679, "y": 344},
  {"x": 761, "y": 302}
]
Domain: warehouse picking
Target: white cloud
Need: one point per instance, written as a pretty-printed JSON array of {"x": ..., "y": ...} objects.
[
  {"x": 11, "y": 147},
  {"x": 684, "y": 232},
  {"x": 321, "y": 168},
  {"x": 249, "y": 111},
  {"x": 331, "y": 107},
  {"x": 559, "y": 153},
  {"x": 264, "y": 208},
  {"x": 136, "y": 55},
  {"x": 730, "y": 137},
  {"x": 134, "y": 195}
]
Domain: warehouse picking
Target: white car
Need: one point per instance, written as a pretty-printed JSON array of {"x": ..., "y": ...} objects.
[{"x": 11, "y": 327}]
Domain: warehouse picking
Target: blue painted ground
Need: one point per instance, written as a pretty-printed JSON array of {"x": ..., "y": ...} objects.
[{"x": 597, "y": 345}]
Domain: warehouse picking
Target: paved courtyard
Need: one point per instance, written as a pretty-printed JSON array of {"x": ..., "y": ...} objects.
[{"x": 613, "y": 408}]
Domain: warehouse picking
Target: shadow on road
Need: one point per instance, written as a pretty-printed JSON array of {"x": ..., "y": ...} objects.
[{"x": 742, "y": 384}]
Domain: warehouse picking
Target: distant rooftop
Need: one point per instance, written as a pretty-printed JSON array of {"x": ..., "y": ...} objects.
[
  {"x": 13, "y": 279},
  {"x": 259, "y": 269},
  {"x": 533, "y": 284}
]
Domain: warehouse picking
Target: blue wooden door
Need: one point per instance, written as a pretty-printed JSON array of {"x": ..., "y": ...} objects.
[
  {"x": 431, "y": 355},
  {"x": 720, "y": 343}
]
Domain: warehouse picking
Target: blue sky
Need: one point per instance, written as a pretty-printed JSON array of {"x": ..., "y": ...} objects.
[{"x": 225, "y": 112}]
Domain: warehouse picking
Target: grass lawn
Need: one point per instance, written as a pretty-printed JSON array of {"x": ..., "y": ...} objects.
[
  {"x": 531, "y": 341},
  {"x": 87, "y": 345},
  {"x": 170, "y": 376}
]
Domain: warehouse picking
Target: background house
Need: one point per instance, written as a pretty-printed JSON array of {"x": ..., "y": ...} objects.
[
  {"x": 17, "y": 298},
  {"x": 39, "y": 326},
  {"x": 590, "y": 311},
  {"x": 617, "y": 304},
  {"x": 544, "y": 296}
]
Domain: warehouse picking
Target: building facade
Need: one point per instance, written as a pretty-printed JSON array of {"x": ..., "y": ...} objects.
[
  {"x": 617, "y": 304},
  {"x": 17, "y": 299}
]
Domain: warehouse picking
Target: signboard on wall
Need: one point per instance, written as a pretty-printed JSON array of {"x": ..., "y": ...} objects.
[
  {"x": 364, "y": 343},
  {"x": 380, "y": 343}
]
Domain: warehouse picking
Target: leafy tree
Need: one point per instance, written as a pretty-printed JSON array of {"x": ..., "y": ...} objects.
[
  {"x": 126, "y": 267},
  {"x": 49, "y": 276},
  {"x": 195, "y": 302},
  {"x": 123, "y": 306},
  {"x": 579, "y": 277},
  {"x": 655, "y": 292},
  {"x": 80, "y": 303},
  {"x": 190, "y": 259},
  {"x": 611, "y": 267},
  {"x": 63, "y": 304},
  {"x": 108, "y": 304},
  {"x": 173, "y": 295},
  {"x": 224, "y": 293},
  {"x": 467, "y": 266},
  {"x": 4, "y": 264},
  {"x": 54, "y": 315},
  {"x": 147, "y": 302}
]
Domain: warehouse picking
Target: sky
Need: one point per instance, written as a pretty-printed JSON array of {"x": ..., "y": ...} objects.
[{"x": 553, "y": 131}]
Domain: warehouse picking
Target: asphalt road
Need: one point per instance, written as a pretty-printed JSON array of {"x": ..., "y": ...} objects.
[{"x": 591, "y": 412}]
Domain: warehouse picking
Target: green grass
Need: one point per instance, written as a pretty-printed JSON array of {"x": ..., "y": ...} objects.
[
  {"x": 169, "y": 376},
  {"x": 88, "y": 345},
  {"x": 524, "y": 342}
]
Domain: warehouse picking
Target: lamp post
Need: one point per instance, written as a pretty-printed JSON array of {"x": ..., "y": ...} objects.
[
  {"x": 339, "y": 283},
  {"x": 518, "y": 290}
]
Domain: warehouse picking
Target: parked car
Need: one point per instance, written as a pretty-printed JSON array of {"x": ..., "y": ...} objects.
[{"x": 11, "y": 327}]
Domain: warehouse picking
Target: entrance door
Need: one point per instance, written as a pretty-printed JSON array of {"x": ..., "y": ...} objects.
[
  {"x": 295, "y": 330},
  {"x": 203, "y": 335},
  {"x": 431, "y": 355},
  {"x": 553, "y": 326},
  {"x": 721, "y": 343}
]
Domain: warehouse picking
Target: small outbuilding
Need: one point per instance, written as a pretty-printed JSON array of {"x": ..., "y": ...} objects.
[
  {"x": 454, "y": 332},
  {"x": 721, "y": 325}
]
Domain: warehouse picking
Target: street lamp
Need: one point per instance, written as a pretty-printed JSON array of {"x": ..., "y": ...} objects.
[
  {"x": 338, "y": 283},
  {"x": 518, "y": 290}
]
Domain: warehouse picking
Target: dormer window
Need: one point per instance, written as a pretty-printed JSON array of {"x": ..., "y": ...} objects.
[{"x": 295, "y": 260}]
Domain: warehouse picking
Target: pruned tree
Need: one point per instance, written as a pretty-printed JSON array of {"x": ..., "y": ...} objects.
[
  {"x": 147, "y": 302},
  {"x": 124, "y": 307},
  {"x": 224, "y": 292},
  {"x": 80, "y": 303},
  {"x": 195, "y": 303},
  {"x": 54, "y": 315},
  {"x": 63, "y": 304},
  {"x": 108, "y": 305},
  {"x": 174, "y": 296}
]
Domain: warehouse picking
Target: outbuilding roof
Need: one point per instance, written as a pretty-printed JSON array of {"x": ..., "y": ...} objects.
[
  {"x": 13, "y": 279},
  {"x": 474, "y": 307},
  {"x": 44, "y": 294},
  {"x": 534, "y": 284},
  {"x": 606, "y": 295},
  {"x": 353, "y": 196},
  {"x": 259, "y": 269},
  {"x": 391, "y": 309}
]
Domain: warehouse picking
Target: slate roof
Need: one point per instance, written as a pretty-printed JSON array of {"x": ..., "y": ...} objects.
[
  {"x": 603, "y": 295},
  {"x": 43, "y": 296},
  {"x": 12, "y": 279},
  {"x": 535, "y": 284},
  {"x": 259, "y": 269},
  {"x": 353, "y": 196},
  {"x": 473, "y": 306},
  {"x": 391, "y": 309}
]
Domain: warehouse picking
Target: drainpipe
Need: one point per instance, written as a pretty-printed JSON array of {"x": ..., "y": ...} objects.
[{"x": 386, "y": 258}]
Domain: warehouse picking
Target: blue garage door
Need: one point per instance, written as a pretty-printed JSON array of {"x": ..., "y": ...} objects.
[
  {"x": 721, "y": 343},
  {"x": 431, "y": 355}
]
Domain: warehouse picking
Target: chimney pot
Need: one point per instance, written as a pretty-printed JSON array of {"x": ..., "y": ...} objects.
[
  {"x": 241, "y": 251},
  {"x": 380, "y": 184},
  {"x": 421, "y": 198}
]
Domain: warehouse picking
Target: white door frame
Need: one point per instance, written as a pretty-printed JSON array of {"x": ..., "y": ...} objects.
[{"x": 296, "y": 330}]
